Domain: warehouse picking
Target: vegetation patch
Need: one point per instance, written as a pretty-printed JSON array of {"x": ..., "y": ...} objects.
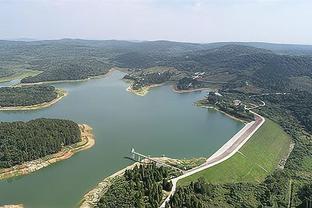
[
  {"x": 255, "y": 160},
  {"x": 141, "y": 80},
  {"x": 68, "y": 69},
  {"x": 143, "y": 186},
  {"x": 22, "y": 168},
  {"x": 303, "y": 83},
  {"x": 200, "y": 194},
  {"x": 227, "y": 104},
  {"x": 26, "y": 95},
  {"x": 25, "y": 141}
]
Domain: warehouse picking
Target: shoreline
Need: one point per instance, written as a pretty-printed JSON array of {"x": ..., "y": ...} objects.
[
  {"x": 144, "y": 90},
  {"x": 92, "y": 197},
  {"x": 87, "y": 141},
  {"x": 61, "y": 93},
  {"x": 216, "y": 109}
]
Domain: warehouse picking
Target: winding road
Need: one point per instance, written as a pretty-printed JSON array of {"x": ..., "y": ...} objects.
[{"x": 224, "y": 153}]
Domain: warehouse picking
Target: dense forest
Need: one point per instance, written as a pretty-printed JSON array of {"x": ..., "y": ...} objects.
[
  {"x": 241, "y": 67},
  {"x": 25, "y": 141},
  {"x": 26, "y": 95},
  {"x": 140, "y": 187},
  {"x": 296, "y": 103},
  {"x": 272, "y": 192},
  {"x": 74, "y": 69}
]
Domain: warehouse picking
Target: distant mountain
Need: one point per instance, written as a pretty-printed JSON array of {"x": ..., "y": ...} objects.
[
  {"x": 228, "y": 57},
  {"x": 23, "y": 39},
  {"x": 289, "y": 49}
]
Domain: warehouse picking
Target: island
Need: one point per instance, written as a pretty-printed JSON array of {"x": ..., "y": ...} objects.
[
  {"x": 29, "y": 146},
  {"x": 29, "y": 97}
]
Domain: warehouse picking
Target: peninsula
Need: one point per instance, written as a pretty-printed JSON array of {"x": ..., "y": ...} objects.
[
  {"x": 29, "y": 97},
  {"x": 55, "y": 140}
]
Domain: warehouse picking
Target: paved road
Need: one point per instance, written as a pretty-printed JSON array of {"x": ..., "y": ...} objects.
[{"x": 224, "y": 153}]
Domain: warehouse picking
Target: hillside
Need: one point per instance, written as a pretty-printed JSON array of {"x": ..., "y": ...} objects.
[{"x": 238, "y": 63}]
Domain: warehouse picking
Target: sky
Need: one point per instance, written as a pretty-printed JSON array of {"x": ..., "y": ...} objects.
[{"x": 279, "y": 21}]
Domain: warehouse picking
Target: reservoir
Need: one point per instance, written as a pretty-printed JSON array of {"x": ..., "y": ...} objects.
[{"x": 161, "y": 123}]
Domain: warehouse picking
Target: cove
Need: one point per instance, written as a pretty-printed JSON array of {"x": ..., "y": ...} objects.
[{"x": 161, "y": 123}]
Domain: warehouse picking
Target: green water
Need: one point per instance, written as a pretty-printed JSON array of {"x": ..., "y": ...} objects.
[{"x": 161, "y": 123}]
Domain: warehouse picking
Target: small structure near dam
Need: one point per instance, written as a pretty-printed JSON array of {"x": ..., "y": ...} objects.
[{"x": 136, "y": 156}]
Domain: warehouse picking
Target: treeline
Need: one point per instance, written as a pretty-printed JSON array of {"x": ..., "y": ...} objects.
[
  {"x": 25, "y": 141},
  {"x": 26, "y": 95},
  {"x": 273, "y": 192},
  {"x": 140, "y": 187}
]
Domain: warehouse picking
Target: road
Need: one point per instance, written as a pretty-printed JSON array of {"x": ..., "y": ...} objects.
[{"x": 224, "y": 153}]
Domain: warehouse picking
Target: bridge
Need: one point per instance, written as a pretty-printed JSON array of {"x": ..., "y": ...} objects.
[{"x": 136, "y": 156}]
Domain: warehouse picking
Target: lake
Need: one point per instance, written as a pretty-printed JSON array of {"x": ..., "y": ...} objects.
[{"x": 161, "y": 123}]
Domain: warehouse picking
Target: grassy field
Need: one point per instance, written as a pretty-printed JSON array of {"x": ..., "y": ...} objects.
[
  {"x": 19, "y": 75},
  {"x": 255, "y": 160}
]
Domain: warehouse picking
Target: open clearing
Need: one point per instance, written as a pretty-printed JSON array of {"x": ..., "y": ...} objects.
[{"x": 253, "y": 162}]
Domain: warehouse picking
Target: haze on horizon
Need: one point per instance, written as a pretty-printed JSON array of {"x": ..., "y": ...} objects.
[{"x": 280, "y": 21}]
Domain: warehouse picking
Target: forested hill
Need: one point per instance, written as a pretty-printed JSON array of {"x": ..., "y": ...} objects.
[
  {"x": 26, "y": 95},
  {"x": 258, "y": 67},
  {"x": 239, "y": 65},
  {"x": 26, "y": 141},
  {"x": 72, "y": 59}
]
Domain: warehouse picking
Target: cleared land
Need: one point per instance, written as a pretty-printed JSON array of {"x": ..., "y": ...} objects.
[{"x": 254, "y": 161}]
